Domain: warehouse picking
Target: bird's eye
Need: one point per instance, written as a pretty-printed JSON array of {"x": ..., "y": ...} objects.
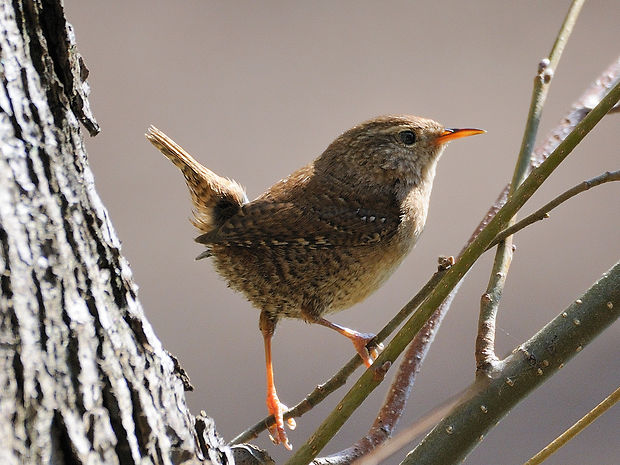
[{"x": 407, "y": 137}]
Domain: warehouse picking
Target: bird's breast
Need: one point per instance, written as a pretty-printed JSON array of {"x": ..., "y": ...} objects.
[{"x": 372, "y": 266}]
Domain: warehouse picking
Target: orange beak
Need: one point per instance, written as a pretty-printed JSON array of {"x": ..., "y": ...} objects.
[{"x": 450, "y": 134}]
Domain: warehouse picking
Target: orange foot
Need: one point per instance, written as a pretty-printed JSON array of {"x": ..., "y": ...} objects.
[
  {"x": 360, "y": 341},
  {"x": 276, "y": 431}
]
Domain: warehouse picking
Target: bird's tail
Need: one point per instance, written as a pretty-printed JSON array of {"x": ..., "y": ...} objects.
[{"x": 215, "y": 198}]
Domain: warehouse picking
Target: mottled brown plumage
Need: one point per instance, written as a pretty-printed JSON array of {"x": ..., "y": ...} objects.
[{"x": 328, "y": 235}]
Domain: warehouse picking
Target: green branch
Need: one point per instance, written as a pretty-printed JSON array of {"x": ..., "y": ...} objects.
[{"x": 546, "y": 70}]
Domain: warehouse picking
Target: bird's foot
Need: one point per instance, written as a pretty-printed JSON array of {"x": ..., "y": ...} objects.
[
  {"x": 360, "y": 342},
  {"x": 276, "y": 431}
]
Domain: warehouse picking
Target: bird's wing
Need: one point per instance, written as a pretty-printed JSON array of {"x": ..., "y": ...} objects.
[{"x": 336, "y": 223}]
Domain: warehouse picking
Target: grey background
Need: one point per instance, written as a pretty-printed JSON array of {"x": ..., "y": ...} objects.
[{"x": 256, "y": 89}]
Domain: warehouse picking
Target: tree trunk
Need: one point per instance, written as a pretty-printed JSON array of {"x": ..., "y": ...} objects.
[{"x": 83, "y": 378}]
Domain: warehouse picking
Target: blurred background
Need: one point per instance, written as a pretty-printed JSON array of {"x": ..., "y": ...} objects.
[{"x": 256, "y": 89}]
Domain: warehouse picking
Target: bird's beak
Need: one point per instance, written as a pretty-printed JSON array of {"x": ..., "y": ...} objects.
[{"x": 450, "y": 134}]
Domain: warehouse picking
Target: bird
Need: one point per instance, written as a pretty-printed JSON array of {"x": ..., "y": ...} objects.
[{"x": 326, "y": 236}]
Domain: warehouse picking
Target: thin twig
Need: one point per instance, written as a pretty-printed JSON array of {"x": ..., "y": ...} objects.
[
  {"x": 489, "y": 303},
  {"x": 486, "y": 360},
  {"x": 579, "y": 109},
  {"x": 546, "y": 71},
  {"x": 543, "y": 212},
  {"x": 577, "y": 428}
]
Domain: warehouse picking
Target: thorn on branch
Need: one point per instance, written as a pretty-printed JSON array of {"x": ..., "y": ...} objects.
[{"x": 380, "y": 372}]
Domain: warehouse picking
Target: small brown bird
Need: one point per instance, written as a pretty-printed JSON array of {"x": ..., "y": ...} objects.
[{"x": 325, "y": 237}]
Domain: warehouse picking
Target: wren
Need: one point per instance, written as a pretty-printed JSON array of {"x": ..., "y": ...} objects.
[{"x": 325, "y": 237}]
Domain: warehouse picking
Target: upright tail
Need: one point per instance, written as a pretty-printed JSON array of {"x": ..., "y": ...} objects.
[{"x": 215, "y": 198}]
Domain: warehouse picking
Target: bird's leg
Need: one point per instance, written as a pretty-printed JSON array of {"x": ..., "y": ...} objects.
[
  {"x": 360, "y": 340},
  {"x": 274, "y": 406}
]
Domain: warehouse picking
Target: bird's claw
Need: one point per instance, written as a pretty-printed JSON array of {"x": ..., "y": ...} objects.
[
  {"x": 276, "y": 431},
  {"x": 367, "y": 354},
  {"x": 375, "y": 349}
]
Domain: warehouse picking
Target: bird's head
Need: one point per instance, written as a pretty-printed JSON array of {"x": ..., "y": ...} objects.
[{"x": 388, "y": 149}]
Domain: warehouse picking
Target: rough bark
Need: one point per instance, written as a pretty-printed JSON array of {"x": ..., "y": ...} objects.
[{"x": 83, "y": 377}]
